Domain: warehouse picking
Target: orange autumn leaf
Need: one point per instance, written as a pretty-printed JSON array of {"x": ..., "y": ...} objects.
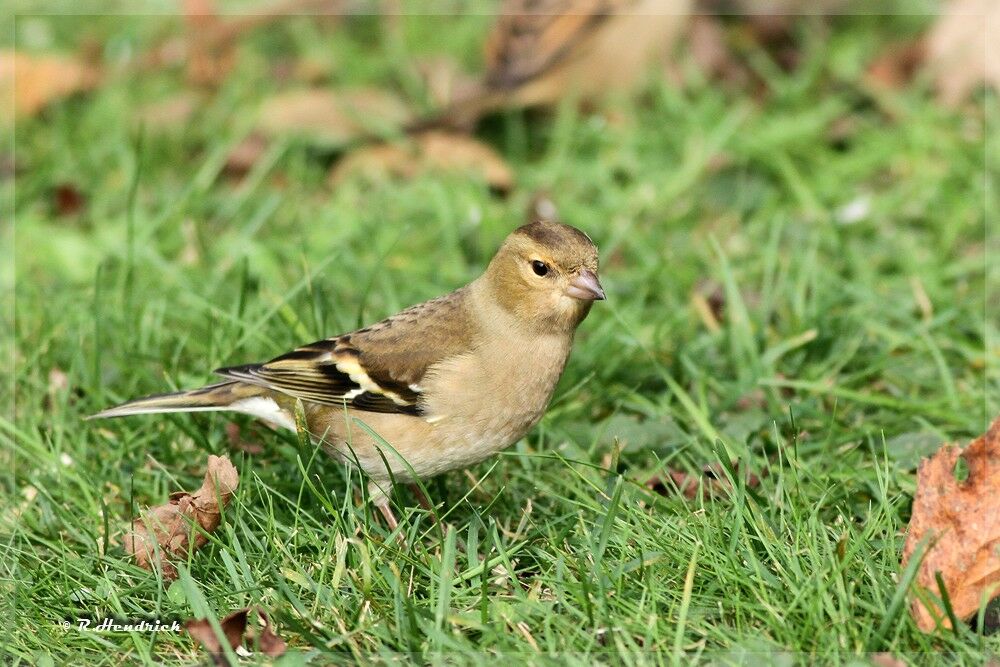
[
  {"x": 36, "y": 81},
  {"x": 168, "y": 530},
  {"x": 961, "y": 522}
]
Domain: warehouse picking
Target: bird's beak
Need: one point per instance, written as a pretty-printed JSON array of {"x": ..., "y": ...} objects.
[{"x": 585, "y": 286}]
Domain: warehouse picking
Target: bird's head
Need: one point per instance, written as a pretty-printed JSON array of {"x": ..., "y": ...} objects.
[{"x": 545, "y": 273}]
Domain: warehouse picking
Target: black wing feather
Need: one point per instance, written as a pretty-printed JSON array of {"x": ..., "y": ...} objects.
[{"x": 309, "y": 375}]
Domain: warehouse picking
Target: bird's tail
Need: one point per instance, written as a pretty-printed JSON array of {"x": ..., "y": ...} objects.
[{"x": 236, "y": 396}]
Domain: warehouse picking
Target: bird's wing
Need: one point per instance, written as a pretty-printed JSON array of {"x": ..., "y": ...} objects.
[
  {"x": 375, "y": 369},
  {"x": 532, "y": 36}
]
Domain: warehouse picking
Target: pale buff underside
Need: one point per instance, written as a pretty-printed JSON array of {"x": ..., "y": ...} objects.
[
  {"x": 476, "y": 403},
  {"x": 482, "y": 417}
]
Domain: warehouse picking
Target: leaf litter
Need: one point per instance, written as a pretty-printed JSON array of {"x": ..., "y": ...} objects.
[
  {"x": 34, "y": 82},
  {"x": 237, "y": 631},
  {"x": 168, "y": 531},
  {"x": 333, "y": 117},
  {"x": 432, "y": 151},
  {"x": 959, "y": 521}
]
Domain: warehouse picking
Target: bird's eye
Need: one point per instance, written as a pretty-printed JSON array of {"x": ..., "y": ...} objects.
[{"x": 540, "y": 268}]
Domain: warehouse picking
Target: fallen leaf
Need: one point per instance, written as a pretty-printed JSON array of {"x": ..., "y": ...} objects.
[
  {"x": 269, "y": 642},
  {"x": 211, "y": 53},
  {"x": 35, "y": 81},
  {"x": 427, "y": 152},
  {"x": 245, "y": 155},
  {"x": 711, "y": 483},
  {"x": 169, "y": 113},
  {"x": 332, "y": 117},
  {"x": 67, "y": 199},
  {"x": 885, "y": 659},
  {"x": 208, "y": 49},
  {"x": 962, "y": 526},
  {"x": 234, "y": 627},
  {"x": 168, "y": 530},
  {"x": 962, "y": 52},
  {"x": 896, "y": 66}
]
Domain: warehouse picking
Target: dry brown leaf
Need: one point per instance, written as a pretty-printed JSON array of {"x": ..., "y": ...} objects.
[
  {"x": 711, "y": 483},
  {"x": 234, "y": 627},
  {"x": 886, "y": 659},
  {"x": 168, "y": 530},
  {"x": 896, "y": 66},
  {"x": 962, "y": 524},
  {"x": 208, "y": 49},
  {"x": 427, "y": 152},
  {"x": 35, "y": 81},
  {"x": 67, "y": 199},
  {"x": 245, "y": 155},
  {"x": 169, "y": 113},
  {"x": 962, "y": 49},
  {"x": 211, "y": 53},
  {"x": 333, "y": 117}
]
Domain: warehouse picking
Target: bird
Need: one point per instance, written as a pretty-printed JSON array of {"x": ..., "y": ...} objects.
[
  {"x": 439, "y": 386},
  {"x": 539, "y": 52}
]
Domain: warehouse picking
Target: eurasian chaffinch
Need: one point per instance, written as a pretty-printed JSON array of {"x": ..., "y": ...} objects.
[
  {"x": 539, "y": 52},
  {"x": 444, "y": 384}
]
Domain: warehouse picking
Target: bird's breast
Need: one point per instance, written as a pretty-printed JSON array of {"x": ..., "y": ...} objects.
[{"x": 484, "y": 401}]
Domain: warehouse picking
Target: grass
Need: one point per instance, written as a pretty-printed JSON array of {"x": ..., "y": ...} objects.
[{"x": 845, "y": 350}]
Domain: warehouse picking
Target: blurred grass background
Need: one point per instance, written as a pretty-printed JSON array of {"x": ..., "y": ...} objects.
[{"x": 837, "y": 231}]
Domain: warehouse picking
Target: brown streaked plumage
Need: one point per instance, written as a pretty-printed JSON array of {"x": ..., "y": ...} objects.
[
  {"x": 541, "y": 51},
  {"x": 444, "y": 384}
]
